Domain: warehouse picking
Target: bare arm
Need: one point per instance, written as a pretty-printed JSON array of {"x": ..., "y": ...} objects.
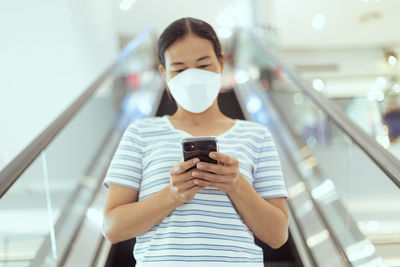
[
  {"x": 125, "y": 217},
  {"x": 266, "y": 218}
]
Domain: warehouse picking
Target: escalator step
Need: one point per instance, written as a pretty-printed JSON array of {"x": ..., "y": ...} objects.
[{"x": 280, "y": 264}]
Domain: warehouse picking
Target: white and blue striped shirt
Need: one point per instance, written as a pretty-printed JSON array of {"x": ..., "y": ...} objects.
[{"x": 206, "y": 231}]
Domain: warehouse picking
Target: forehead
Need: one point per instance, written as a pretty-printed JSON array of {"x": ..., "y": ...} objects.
[{"x": 189, "y": 48}]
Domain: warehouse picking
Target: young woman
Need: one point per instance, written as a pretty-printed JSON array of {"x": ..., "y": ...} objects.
[{"x": 205, "y": 216}]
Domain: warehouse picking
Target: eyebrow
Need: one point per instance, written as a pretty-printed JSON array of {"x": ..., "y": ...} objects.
[{"x": 197, "y": 60}]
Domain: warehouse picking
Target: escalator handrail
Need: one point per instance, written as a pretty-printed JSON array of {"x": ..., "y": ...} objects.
[
  {"x": 14, "y": 169},
  {"x": 385, "y": 160}
]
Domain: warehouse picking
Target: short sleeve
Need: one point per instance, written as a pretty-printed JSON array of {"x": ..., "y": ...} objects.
[
  {"x": 268, "y": 175},
  {"x": 126, "y": 165}
]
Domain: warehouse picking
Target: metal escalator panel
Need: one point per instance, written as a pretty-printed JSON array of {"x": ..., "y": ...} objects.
[
  {"x": 47, "y": 190},
  {"x": 340, "y": 173}
]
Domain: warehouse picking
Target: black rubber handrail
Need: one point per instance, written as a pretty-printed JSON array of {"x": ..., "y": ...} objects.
[
  {"x": 385, "y": 160},
  {"x": 13, "y": 170}
]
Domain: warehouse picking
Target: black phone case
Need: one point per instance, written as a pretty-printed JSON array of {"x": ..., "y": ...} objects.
[{"x": 203, "y": 149}]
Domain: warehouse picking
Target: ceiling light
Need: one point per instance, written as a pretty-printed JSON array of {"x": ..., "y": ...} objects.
[
  {"x": 390, "y": 57},
  {"x": 392, "y": 60},
  {"x": 224, "y": 33},
  {"x": 298, "y": 98},
  {"x": 381, "y": 82},
  {"x": 241, "y": 76},
  {"x": 126, "y": 4},
  {"x": 253, "y": 103},
  {"x": 380, "y": 96},
  {"x": 318, "y": 21},
  {"x": 396, "y": 88},
  {"x": 318, "y": 84}
]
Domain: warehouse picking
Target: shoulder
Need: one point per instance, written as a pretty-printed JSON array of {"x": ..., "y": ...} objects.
[
  {"x": 254, "y": 127},
  {"x": 147, "y": 121},
  {"x": 140, "y": 125}
]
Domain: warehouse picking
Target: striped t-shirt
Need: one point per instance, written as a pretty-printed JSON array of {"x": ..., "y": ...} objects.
[{"x": 206, "y": 231}]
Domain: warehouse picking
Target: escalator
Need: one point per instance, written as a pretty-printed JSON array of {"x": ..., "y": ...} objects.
[
  {"x": 342, "y": 184},
  {"x": 343, "y": 187},
  {"x": 285, "y": 256}
]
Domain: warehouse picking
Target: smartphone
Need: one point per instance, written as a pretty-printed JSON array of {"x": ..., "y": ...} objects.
[{"x": 199, "y": 147}]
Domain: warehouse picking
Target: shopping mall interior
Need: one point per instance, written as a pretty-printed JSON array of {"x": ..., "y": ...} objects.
[{"x": 322, "y": 76}]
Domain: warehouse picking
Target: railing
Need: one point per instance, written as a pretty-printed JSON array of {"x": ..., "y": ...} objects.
[
  {"x": 348, "y": 175},
  {"x": 47, "y": 189},
  {"x": 16, "y": 167},
  {"x": 384, "y": 159}
]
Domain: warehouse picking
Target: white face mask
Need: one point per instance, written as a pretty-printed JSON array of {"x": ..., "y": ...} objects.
[{"x": 195, "y": 89}]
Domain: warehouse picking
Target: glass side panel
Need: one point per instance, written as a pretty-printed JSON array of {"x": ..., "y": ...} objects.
[
  {"x": 365, "y": 201},
  {"x": 25, "y": 209},
  {"x": 24, "y": 218}
]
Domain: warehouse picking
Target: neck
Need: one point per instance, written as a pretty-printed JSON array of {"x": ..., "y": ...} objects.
[{"x": 213, "y": 113}]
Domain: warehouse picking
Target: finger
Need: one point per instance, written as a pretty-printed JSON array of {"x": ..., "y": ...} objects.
[
  {"x": 223, "y": 158},
  {"x": 192, "y": 191},
  {"x": 204, "y": 183},
  {"x": 214, "y": 168},
  {"x": 212, "y": 177},
  {"x": 182, "y": 187},
  {"x": 184, "y": 166},
  {"x": 183, "y": 177}
]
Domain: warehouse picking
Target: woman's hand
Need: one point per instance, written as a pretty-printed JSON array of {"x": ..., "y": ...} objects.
[
  {"x": 182, "y": 184},
  {"x": 224, "y": 175}
]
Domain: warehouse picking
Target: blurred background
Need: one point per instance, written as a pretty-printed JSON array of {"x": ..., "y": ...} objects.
[{"x": 323, "y": 75}]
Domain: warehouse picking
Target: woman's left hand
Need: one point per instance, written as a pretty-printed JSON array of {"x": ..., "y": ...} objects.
[{"x": 224, "y": 175}]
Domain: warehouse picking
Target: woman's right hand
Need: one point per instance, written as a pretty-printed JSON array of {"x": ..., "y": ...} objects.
[{"x": 181, "y": 184}]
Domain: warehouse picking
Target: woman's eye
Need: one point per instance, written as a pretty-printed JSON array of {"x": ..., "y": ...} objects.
[
  {"x": 178, "y": 70},
  {"x": 205, "y": 66}
]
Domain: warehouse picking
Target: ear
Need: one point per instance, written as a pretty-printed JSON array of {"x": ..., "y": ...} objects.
[
  {"x": 222, "y": 62},
  {"x": 162, "y": 71}
]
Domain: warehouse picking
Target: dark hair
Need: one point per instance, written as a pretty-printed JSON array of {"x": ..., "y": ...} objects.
[{"x": 182, "y": 27}]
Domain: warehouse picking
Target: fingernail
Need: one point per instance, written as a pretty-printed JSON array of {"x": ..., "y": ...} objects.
[
  {"x": 195, "y": 173},
  {"x": 196, "y": 181},
  {"x": 196, "y": 160},
  {"x": 177, "y": 169},
  {"x": 212, "y": 155},
  {"x": 200, "y": 165}
]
